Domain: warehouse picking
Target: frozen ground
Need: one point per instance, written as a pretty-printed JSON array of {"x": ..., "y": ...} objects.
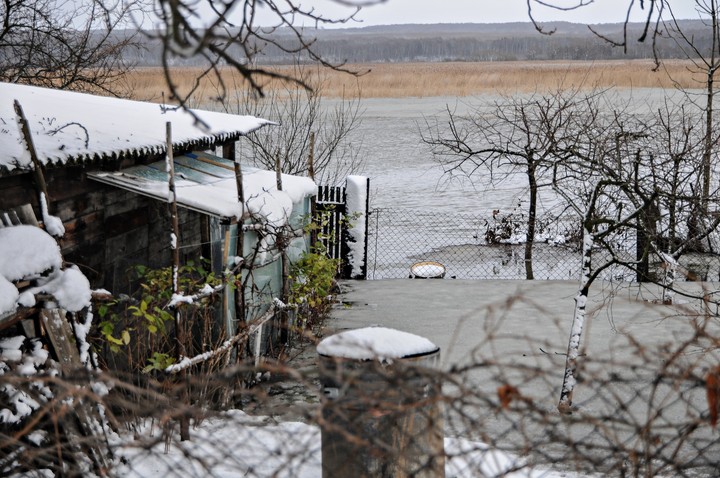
[
  {"x": 634, "y": 355},
  {"x": 516, "y": 332},
  {"x": 237, "y": 444}
]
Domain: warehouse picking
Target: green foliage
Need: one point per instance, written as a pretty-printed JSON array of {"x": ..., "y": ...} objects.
[
  {"x": 158, "y": 361},
  {"x": 138, "y": 329},
  {"x": 313, "y": 277},
  {"x": 155, "y": 320}
]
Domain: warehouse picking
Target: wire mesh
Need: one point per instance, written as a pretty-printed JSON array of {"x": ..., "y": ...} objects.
[{"x": 476, "y": 247}]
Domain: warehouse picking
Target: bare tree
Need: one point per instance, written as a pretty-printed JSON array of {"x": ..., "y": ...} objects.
[
  {"x": 64, "y": 44},
  {"x": 517, "y": 135},
  {"x": 600, "y": 178},
  {"x": 661, "y": 21},
  {"x": 652, "y": 9},
  {"x": 236, "y": 34},
  {"x": 310, "y": 125},
  {"x": 632, "y": 181}
]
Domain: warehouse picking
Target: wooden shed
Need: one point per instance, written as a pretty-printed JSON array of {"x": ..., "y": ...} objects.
[{"x": 104, "y": 164}]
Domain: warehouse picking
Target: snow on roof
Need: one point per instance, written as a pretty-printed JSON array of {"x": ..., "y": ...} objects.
[
  {"x": 207, "y": 183},
  {"x": 375, "y": 343},
  {"x": 69, "y": 127}
]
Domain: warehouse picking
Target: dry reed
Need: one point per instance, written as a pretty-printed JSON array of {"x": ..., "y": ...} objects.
[{"x": 400, "y": 80}]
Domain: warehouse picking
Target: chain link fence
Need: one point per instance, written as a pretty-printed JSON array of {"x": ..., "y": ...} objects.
[{"x": 477, "y": 247}]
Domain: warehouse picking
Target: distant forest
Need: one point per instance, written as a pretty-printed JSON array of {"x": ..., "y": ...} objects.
[{"x": 466, "y": 42}]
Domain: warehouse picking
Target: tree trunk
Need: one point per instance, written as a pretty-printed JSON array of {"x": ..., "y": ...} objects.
[
  {"x": 707, "y": 152},
  {"x": 532, "y": 215},
  {"x": 570, "y": 376}
]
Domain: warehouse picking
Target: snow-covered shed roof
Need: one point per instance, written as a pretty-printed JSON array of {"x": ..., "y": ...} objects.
[
  {"x": 73, "y": 128},
  {"x": 206, "y": 183}
]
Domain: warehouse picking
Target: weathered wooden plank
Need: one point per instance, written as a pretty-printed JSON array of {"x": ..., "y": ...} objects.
[
  {"x": 213, "y": 159},
  {"x": 72, "y": 207},
  {"x": 26, "y": 215},
  {"x": 82, "y": 222},
  {"x": 9, "y": 319},
  {"x": 68, "y": 183},
  {"x": 9, "y": 218},
  {"x": 15, "y": 196},
  {"x": 184, "y": 172},
  {"x": 61, "y": 338},
  {"x": 125, "y": 202},
  {"x": 127, "y": 243},
  {"x": 15, "y": 216},
  {"x": 121, "y": 223}
]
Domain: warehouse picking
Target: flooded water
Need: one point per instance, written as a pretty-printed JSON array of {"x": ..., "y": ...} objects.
[
  {"x": 404, "y": 174},
  {"x": 428, "y": 214}
]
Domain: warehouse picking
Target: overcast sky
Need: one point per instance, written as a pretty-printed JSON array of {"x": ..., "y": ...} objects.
[{"x": 493, "y": 11}]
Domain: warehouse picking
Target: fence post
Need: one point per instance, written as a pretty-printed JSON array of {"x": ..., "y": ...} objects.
[
  {"x": 382, "y": 413},
  {"x": 357, "y": 204}
]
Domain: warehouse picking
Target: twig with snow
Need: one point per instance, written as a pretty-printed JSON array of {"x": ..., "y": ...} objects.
[
  {"x": 187, "y": 362},
  {"x": 207, "y": 290}
]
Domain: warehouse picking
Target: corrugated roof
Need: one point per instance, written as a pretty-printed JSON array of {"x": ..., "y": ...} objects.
[
  {"x": 72, "y": 128},
  {"x": 206, "y": 183}
]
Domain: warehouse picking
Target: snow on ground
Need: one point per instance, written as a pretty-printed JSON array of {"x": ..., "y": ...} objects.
[{"x": 241, "y": 445}]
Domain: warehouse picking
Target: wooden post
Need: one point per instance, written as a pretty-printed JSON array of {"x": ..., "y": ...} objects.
[
  {"x": 278, "y": 173},
  {"x": 62, "y": 343},
  {"x": 313, "y": 201},
  {"x": 229, "y": 153},
  {"x": 37, "y": 167},
  {"x": 285, "y": 265},
  {"x": 174, "y": 238},
  {"x": 311, "y": 157},
  {"x": 27, "y": 135},
  {"x": 172, "y": 199}
]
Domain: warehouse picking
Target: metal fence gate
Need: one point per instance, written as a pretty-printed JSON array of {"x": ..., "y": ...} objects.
[
  {"x": 342, "y": 215},
  {"x": 330, "y": 209}
]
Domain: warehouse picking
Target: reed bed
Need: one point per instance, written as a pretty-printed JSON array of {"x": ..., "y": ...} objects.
[{"x": 399, "y": 80}]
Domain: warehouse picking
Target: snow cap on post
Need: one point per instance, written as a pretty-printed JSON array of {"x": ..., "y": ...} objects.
[
  {"x": 357, "y": 205},
  {"x": 375, "y": 343}
]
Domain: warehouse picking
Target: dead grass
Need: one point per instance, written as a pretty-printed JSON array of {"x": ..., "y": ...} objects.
[{"x": 443, "y": 79}]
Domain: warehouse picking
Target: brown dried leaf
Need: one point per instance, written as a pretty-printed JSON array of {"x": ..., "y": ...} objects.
[
  {"x": 712, "y": 388},
  {"x": 506, "y": 394}
]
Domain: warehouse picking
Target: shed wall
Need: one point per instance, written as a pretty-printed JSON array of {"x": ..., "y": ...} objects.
[{"x": 107, "y": 230}]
